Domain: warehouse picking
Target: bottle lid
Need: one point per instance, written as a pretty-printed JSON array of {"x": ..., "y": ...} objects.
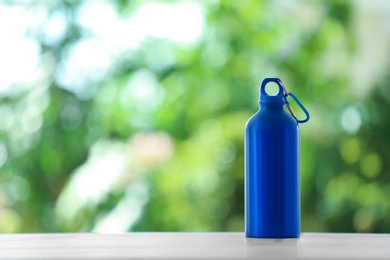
[
  {"x": 263, "y": 94},
  {"x": 282, "y": 96}
]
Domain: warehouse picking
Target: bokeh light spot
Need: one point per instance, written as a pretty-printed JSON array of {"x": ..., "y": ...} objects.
[
  {"x": 18, "y": 189},
  {"x": 363, "y": 220},
  {"x": 205, "y": 182},
  {"x": 371, "y": 165},
  {"x": 142, "y": 92},
  {"x": 350, "y": 150},
  {"x": 151, "y": 149},
  {"x": 325, "y": 209},
  {"x": 31, "y": 120},
  {"x": 70, "y": 117},
  {"x": 55, "y": 28},
  {"x": 82, "y": 67},
  {"x": 10, "y": 221},
  {"x": 19, "y": 54},
  {"x": 225, "y": 152},
  {"x": 351, "y": 119}
]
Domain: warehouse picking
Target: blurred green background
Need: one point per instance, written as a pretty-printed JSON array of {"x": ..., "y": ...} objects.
[{"x": 129, "y": 115}]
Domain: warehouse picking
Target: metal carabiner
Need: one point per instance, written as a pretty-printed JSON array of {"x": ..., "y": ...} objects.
[
  {"x": 286, "y": 94},
  {"x": 300, "y": 105}
]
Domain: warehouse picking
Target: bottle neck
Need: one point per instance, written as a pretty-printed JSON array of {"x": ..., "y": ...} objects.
[{"x": 272, "y": 105}]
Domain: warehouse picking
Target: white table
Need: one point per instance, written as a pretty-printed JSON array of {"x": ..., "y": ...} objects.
[{"x": 192, "y": 246}]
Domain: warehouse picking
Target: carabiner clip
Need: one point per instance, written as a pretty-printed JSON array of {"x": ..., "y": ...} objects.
[
  {"x": 299, "y": 104},
  {"x": 286, "y": 94}
]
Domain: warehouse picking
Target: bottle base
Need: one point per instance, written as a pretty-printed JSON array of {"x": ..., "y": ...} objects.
[{"x": 268, "y": 236}]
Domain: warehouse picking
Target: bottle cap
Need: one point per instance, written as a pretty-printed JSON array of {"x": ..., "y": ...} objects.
[
  {"x": 282, "y": 96},
  {"x": 265, "y": 97}
]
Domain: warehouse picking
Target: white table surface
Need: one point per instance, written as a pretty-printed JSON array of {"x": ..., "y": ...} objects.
[{"x": 192, "y": 246}]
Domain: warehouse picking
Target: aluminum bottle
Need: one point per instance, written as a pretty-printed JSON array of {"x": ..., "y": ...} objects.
[{"x": 272, "y": 188}]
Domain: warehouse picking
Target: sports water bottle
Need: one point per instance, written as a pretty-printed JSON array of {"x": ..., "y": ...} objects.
[{"x": 272, "y": 199}]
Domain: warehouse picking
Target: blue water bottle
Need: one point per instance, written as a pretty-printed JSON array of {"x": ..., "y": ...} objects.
[{"x": 272, "y": 199}]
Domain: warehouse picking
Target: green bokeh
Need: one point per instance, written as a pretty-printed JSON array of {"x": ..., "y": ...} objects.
[{"x": 154, "y": 140}]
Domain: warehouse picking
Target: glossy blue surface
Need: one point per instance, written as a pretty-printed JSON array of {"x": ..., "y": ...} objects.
[{"x": 272, "y": 200}]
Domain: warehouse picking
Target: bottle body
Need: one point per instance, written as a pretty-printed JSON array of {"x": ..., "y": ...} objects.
[{"x": 272, "y": 188}]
